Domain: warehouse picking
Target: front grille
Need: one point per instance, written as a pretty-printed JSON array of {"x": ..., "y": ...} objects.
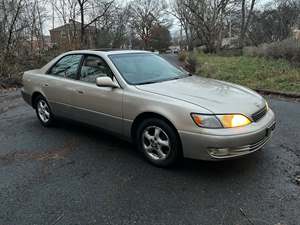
[{"x": 259, "y": 114}]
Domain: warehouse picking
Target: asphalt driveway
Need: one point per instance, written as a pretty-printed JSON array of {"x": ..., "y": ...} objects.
[{"x": 73, "y": 174}]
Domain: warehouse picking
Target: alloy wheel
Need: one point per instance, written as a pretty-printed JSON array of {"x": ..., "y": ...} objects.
[
  {"x": 43, "y": 111},
  {"x": 156, "y": 143}
]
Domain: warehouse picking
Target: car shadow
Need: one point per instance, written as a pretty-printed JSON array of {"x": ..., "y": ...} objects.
[
  {"x": 95, "y": 133},
  {"x": 234, "y": 167},
  {"x": 227, "y": 167}
]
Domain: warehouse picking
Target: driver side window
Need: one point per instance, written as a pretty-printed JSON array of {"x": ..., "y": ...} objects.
[{"x": 94, "y": 67}]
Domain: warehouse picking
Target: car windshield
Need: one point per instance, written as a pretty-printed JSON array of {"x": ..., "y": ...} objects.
[{"x": 145, "y": 68}]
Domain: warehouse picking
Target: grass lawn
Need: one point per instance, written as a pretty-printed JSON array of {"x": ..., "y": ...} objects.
[{"x": 256, "y": 73}]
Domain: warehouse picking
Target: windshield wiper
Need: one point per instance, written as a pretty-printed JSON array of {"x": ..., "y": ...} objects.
[
  {"x": 148, "y": 82},
  {"x": 176, "y": 78},
  {"x": 172, "y": 78}
]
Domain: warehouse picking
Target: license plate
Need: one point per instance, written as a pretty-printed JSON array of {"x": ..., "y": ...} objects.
[
  {"x": 273, "y": 126},
  {"x": 270, "y": 129}
]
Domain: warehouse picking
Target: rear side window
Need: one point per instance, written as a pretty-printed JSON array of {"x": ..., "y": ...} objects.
[{"x": 67, "y": 67}]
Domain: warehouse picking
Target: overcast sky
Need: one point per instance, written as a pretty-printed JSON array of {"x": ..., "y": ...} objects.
[{"x": 174, "y": 29}]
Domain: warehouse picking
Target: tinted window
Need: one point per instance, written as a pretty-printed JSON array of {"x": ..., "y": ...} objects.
[
  {"x": 67, "y": 67},
  {"x": 141, "y": 68},
  {"x": 93, "y": 67}
]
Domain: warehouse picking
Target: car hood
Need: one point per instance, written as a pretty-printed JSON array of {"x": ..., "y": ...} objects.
[{"x": 213, "y": 95}]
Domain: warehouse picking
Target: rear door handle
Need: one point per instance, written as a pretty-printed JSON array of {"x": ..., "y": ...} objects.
[
  {"x": 80, "y": 91},
  {"x": 46, "y": 85}
]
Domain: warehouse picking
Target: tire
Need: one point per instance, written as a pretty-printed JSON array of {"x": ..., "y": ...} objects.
[
  {"x": 159, "y": 142},
  {"x": 43, "y": 111}
]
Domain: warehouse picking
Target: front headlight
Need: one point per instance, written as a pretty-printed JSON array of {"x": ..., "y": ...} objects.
[
  {"x": 206, "y": 121},
  {"x": 220, "y": 121},
  {"x": 235, "y": 120}
]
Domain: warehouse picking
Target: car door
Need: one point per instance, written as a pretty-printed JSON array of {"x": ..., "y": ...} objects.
[
  {"x": 99, "y": 106},
  {"x": 58, "y": 84}
]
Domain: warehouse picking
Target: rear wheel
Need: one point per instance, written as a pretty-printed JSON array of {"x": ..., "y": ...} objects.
[
  {"x": 43, "y": 111},
  {"x": 159, "y": 142}
]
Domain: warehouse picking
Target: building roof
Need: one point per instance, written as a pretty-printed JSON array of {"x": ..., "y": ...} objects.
[{"x": 71, "y": 23}]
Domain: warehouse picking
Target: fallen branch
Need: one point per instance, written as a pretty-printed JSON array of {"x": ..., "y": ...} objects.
[
  {"x": 58, "y": 219},
  {"x": 244, "y": 214}
]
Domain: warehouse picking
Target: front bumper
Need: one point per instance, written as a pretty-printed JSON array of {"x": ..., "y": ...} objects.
[
  {"x": 26, "y": 97},
  {"x": 218, "y": 147}
]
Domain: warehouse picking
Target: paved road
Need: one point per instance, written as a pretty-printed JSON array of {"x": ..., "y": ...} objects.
[{"x": 73, "y": 174}]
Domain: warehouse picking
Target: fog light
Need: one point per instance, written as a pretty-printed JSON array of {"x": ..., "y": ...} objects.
[{"x": 219, "y": 152}]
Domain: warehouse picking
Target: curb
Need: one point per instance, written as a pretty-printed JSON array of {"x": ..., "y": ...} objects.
[{"x": 278, "y": 93}]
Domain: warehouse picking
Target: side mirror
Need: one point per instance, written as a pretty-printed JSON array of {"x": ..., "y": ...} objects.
[{"x": 106, "y": 82}]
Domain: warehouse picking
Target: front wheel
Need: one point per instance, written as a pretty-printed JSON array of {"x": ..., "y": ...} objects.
[
  {"x": 43, "y": 111},
  {"x": 159, "y": 142}
]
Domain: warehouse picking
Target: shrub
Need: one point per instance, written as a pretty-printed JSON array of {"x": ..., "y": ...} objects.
[
  {"x": 192, "y": 62},
  {"x": 182, "y": 56},
  {"x": 12, "y": 67},
  {"x": 230, "y": 52},
  {"x": 287, "y": 49}
]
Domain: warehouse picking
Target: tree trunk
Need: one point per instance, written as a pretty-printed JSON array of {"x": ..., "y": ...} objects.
[
  {"x": 82, "y": 28},
  {"x": 242, "y": 33},
  {"x": 245, "y": 21}
]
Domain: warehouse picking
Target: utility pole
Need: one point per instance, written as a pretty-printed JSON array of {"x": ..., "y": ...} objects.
[
  {"x": 130, "y": 38},
  {"x": 181, "y": 39},
  {"x": 230, "y": 25},
  {"x": 53, "y": 14}
]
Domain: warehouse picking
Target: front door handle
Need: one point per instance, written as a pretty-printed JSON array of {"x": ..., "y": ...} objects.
[{"x": 80, "y": 91}]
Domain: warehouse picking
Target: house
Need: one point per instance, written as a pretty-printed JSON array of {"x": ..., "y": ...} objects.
[
  {"x": 296, "y": 34},
  {"x": 230, "y": 42},
  {"x": 67, "y": 36}
]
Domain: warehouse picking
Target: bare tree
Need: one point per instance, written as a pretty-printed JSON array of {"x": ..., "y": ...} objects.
[
  {"x": 274, "y": 23},
  {"x": 21, "y": 23},
  {"x": 207, "y": 20},
  {"x": 146, "y": 14},
  {"x": 11, "y": 26},
  {"x": 35, "y": 15},
  {"x": 103, "y": 7},
  {"x": 120, "y": 29},
  {"x": 184, "y": 16},
  {"x": 67, "y": 11},
  {"x": 11, "y": 15}
]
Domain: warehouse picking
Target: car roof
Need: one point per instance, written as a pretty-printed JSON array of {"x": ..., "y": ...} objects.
[
  {"x": 106, "y": 51},
  {"x": 101, "y": 53}
]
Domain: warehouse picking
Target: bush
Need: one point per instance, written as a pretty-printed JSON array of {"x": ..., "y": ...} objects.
[
  {"x": 182, "y": 56},
  {"x": 12, "y": 67},
  {"x": 287, "y": 49},
  {"x": 192, "y": 62},
  {"x": 230, "y": 52}
]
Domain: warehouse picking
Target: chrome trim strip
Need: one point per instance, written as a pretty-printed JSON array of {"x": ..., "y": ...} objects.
[{"x": 84, "y": 109}]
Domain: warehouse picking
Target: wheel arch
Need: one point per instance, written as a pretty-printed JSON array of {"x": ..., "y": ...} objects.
[
  {"x": 147, "y": 115},
  {"x": 34, "y": 97}
]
